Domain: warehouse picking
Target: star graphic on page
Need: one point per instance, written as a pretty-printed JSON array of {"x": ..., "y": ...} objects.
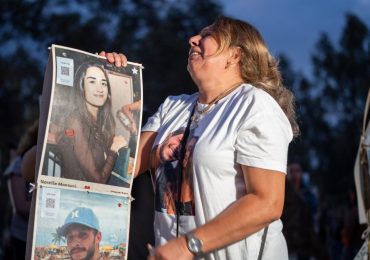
[{"x": 134, "y": 70}]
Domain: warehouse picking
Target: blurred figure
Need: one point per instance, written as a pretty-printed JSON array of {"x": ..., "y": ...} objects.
[
  {"x": 5, "y": 217},
  {"x": 298, "y": 217},
  {"x": 28, "y": 165},
  {"x": 142, "y": 217},
  {"x": 301, "y": 184},
  {"x": 12, "y": 151},
  {"x": 19, "y": 195},
  {"x": 351, "y": 230}
]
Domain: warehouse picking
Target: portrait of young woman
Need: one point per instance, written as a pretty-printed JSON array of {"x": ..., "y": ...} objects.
[{"x": 86, "y": 143}]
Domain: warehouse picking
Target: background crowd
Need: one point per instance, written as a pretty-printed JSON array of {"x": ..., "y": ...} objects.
[{"x": 320, "y": 213}]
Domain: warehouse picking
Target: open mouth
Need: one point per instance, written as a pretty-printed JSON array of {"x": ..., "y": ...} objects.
[
  {"x": 77, "y": 250},
  {"x": 175, "y": 152},
  {"x": 194, "y": 53}
]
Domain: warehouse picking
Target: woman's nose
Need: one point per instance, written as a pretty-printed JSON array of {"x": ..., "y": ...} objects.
[
  {"x": 100, "y": 87},
  {"x": 194, "y": 41}
]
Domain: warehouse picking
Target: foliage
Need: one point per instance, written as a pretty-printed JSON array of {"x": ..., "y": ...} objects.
[
  {"x": 155, "y": 33},
  {"x": 330, "y": 108},
  {"x": 150, "y": 32},
  {"x": 57, "y": 238}
]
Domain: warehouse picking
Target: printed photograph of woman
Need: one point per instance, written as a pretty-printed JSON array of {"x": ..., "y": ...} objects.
[{"x": 86, "y": 146}]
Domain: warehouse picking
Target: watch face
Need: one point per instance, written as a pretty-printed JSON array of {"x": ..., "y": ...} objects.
[{"x": 195, "y": 245}]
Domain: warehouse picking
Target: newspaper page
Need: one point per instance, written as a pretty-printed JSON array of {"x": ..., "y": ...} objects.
[{"x": 89, "y": 124}]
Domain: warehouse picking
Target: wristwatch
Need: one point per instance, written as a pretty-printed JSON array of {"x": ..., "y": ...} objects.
[{"x": 194, "y": 244}]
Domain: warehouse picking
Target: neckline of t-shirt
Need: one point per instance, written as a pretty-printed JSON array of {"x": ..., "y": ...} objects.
[{"x": 203, "y": 105}]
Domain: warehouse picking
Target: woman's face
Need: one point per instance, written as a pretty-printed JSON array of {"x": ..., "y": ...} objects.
[
  {"x": 95, "y": 86},
  {"x": 203, "y": 61},
  {"x": 170, "y": 148}
]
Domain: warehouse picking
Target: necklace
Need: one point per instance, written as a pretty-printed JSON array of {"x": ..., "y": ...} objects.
[{"x": 201, "y": 112}]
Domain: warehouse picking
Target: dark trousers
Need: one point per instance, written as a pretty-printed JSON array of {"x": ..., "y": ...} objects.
[
  {"x": 142, "y": 217},
  {"x": 17, "y": 249}
]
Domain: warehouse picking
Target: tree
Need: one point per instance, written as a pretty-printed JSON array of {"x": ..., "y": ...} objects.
[
  {"x": 57, "y": 238},
  {"x": 330, "y": 108},
  {"x": 161, "y": 44},
  {"x": 151, "y": 32}
]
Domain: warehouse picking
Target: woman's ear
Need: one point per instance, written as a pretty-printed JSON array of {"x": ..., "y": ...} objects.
[{"x": 235, "y": 55}]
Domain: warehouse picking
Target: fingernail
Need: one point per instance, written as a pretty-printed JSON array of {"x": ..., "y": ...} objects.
[{"x": 150, "y": 249}]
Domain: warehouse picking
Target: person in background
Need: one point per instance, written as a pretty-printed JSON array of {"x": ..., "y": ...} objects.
[
  {"x": 302, "y": 186},
  {"x": 19, "y": 194},
  {"x": 5, "y": 218},
  {"x": 299, "y": 217},
  {"x": 28, "y": 165},
  {"x": 243, "y": 119},
  {"x": 351, "y": 231}
]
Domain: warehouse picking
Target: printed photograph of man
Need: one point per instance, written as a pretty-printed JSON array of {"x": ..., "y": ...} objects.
[
  {"x": 73, "y": 224},
  {"x": 82, "y": 233}
]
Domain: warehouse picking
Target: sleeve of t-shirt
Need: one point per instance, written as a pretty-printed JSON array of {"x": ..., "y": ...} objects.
[
  {"x": 14, "y": 168},
  {"x": 156, "y": 121},
  {"x": 263, "y": 138}
]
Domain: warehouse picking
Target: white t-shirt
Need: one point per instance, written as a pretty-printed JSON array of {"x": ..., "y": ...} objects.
[{"x": 246, "y": 127}]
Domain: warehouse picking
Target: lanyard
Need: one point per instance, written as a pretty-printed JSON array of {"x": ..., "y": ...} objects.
[{"x": 180, "y": 168}]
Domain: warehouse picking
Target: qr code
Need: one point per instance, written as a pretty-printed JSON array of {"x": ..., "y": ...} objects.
[
  {"x": 64, "y": 71},
  {"x": 50, "y": 203}
]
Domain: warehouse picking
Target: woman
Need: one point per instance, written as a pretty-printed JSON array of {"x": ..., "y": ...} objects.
[
  {"x": 243, "y": 121},
  {"x": 88, "y": 146}
]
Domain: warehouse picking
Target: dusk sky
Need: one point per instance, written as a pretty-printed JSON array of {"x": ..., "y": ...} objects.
[{"x": 293, "y": 27}]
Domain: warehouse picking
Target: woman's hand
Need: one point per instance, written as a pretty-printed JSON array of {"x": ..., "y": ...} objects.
[
  {"x": 132, "y": 128},
  {"x": 118, "y": 142},
  {"x": 174, "y": 249},
  {"x": 117, "y": 58},
  {"x": 128, "y": 111}
]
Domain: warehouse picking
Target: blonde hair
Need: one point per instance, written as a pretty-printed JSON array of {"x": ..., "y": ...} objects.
[{"x": 257, "y": 66}]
